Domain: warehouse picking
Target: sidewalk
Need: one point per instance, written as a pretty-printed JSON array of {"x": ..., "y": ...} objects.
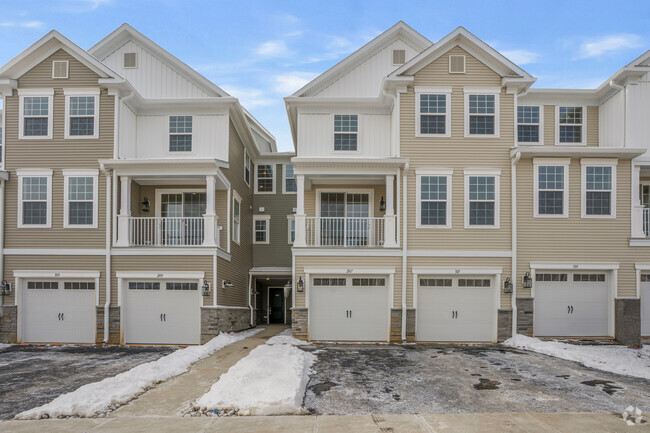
[{"x": 465, "y": 423}]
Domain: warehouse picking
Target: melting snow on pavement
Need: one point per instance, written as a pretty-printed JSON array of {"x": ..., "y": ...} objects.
[
  {"x": 615, "y": 359},
  {"x": 91, "y": 399},
  {"x": 271, "y": 380}
]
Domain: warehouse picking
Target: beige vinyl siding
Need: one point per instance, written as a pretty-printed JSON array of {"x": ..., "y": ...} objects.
[
  {"x": 576, "y": 239},
  {"x": 161, "y": 264},
  {"x": 54, "y": 263},
  {"x": 549, "y": 125},
  {"x": 41, "y": 75},
  {"x": 458, "y": 153},
  {"x": 592, "y": 126},
  {"x": 278, "y": 252},
  {"x": 359, "y": 261}
]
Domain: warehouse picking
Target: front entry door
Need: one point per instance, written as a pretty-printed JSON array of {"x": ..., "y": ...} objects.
[{"x": 276, "y": 305}]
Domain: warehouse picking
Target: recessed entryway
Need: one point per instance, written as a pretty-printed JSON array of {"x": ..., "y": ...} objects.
[{"x": 276, "y": 307}]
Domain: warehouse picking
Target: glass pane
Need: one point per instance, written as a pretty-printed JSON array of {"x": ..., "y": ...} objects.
[
  {"x": 357, "y": 205},
  {"x": 35, "y": 212},
  {"x": 432, "y": 125},
  {"x": 332, "y": 204},
  {"x": 551, "y": 177},
  {"x": 194, "y": 204},
  {"x": 433, "y": 187},
  {"x": 598, "y": 203},
  {"x": 180, "y": 124},
  {"x": 36, "y": 105},
  {"x": 433, "y": 104},
  {"x": 481, "y": 213},
  {"x": 35, "y": 188},
  {"x": 82, "y": 105},
  {"x": 481, "y": 188},
  {"x": 599, "y": 178},
  {"x": 265, "y": 178},
  {"x": 481, "y": 125},
  {"x": 81, "y": 212},
  {"x": 80, "y": 188},
  {"x": 433, "y": 213},
  {"x": 528, "y": 133},
  {"x": 345, "y": 123},
  {"x": 571, "y": 115},
  {"x": 82, "y": 126},
  {"x": 35, "y": 126},
  {"x": 481, "y": 104},
  {"x": 345, "y": 142},
  {"x": 551, "y": 202},
  {"x": 526, "y": 114},
  {"x": 290, "y": 179},
  {"x": 570, "y": 134},
  {"x": 171, "y": 205},
  {"x": 180, "y": 143}
]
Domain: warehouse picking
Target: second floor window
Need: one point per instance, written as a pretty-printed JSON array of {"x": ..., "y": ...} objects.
[
  {"x": 434, "y": 201},
  {"x": 265, "y": 178},
  {"x": 528, "y": 125},
  {"x": 34, "y": 198},
  {"x": 261, "y": 229},
  {"x": 570, "y": 125},
  {"x": 80, "y": 203},
  {"x": 346, "y": 127},
  {"x": 180, "y": 133},
  {"x": 482, "y": 115},
  {"x": 36, "y": 115},
  {"x": 551, "y": 190},
  {"x": 81, "y": 116},
  {"x": 481, "y": 201},
  {"x": 289, "y": 179},
  {"x": 599, "y": 194}
]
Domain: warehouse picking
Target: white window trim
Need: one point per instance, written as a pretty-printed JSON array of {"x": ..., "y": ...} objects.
[
  {"x": 67, "y": 69},
  {"x": 565, "y": 162},
  {"x": 370, "y": 192},
  {"x": 290, "y": 218},
  {"x": 284, "y": 180},
  {"x": 169, "y": 134},
  {"x": 37, "y": 172},
  {"x": 236, "y": 239},
  {"x": 583, "y": 133},
  {"x": 250, "y": 171},
  {"x": 433, "y": 91},
  {"x": 49, "y": 93},
  {"x": 540, "y": 141},
  {"x": 464, "y": 63},
  {"x": 266, "y": 218},
  {"x": 81, "y": 92},
  {"x": 497, "y": 109},
  {"x": 442, "y": 172},
  {"x": 275, "y": 170},
  {"x": 349, "y": 152},
  {"x": 590, "y": 162},
  {"x": 497, "y": 196},
  {"x": 67, "y": 174}
]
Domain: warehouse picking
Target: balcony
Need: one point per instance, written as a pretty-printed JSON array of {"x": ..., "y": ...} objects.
[
  {"x": 344, "y": 232},
  {"x": 169, "y": 232}
]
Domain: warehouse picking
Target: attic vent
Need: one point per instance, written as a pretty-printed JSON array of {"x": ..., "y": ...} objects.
[
  {"x": 129, "y": 60},
  {"x": 399, "y": 57},
  {"x": 60, "y": 69},
  {"x": 456, "y": 64}
]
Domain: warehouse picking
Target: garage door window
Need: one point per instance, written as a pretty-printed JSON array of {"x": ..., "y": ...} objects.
[
  {"x": 589, "y": 278},
  {"x": 329, "y": 282},
  {"x": 182, "y": 286},
  {"x": 370, "y": 282},
  {"x": 144, "y": 286},
  {"x": 475, "y": 282},
  {"x": 551, "y": 277},
  {"x": 42, "y": 285},
  {"x": 79, "y": 285},
  {"x": 435, "y": 282}
]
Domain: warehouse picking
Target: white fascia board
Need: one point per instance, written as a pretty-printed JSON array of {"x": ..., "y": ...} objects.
[
  {"x": 562, "y": 97},
  {"x": 34, "y": 172},
  {"x": 577, "y": 152},
  {"x": 445, "y": 270},
  {"x": 160, "y": 275},
  {"x": 348, "y": 270},
  {"x": 56, "y": 274},
  {"x": 566, "y": 266}
]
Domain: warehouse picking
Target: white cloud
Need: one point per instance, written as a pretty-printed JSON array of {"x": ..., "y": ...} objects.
[
  {"x": 273, "y": 49},
  {"x": 94, "y": 4},
  {"x": 521, "y": 57},
  {"x": 23, "y": 24},
  {"x": 250, "y": 97},
  {"x": 609, "y": 43},
  {"x": 291, "y": 81}
]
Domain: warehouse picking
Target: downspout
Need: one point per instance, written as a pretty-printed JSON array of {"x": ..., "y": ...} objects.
[
  {"x": 107, "y": 303},
  {"x": 404, "y": 219},
  {"x": 513, "y": 183},
  {"x": 622, "y": 88},
  {"x": 250, "y": 295}
]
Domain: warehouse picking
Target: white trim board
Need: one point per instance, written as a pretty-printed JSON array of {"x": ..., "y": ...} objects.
[
  {"x": 459, "y": 253},
  {"x": 56, "y": 274},
  {"x": 446, "y": 270},
  {"x": 570, "y": 266},
  {"x": 161, "y": 275},
  {"x": 348, "y": 271}
]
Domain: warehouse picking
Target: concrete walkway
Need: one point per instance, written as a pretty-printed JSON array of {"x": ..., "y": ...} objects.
[
  {"x": 465, "y": 423},
  {"x": 170, "y": 398}
]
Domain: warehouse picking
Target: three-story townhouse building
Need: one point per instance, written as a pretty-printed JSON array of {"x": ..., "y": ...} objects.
[{"x": 441, "y": 198}]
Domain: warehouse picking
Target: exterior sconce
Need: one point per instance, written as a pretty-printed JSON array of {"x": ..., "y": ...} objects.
[
  {"x": 227, "y": 284},
  {"x": 206, "y": 288},
  {"x": 300, "y": 285},
  {"x": 145, "y": 205},
  {"x": 507, "y": 286},
  {"x": 527, "y": 281},
  {"x": 5, "y": 288},
  {"x": 382, "y": 204}
]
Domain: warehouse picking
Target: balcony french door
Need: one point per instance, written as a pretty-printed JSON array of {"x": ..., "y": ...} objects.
[
  {"x": 182, "y": 218},
  {"x": 344, "y": 219}
]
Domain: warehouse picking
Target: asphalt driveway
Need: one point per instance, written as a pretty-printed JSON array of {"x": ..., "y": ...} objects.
[
  {"x": 394, "y": 379},
  {"x": 34, "y": 375}
]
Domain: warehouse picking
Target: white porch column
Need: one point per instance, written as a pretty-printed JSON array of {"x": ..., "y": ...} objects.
[
  {"x": 389, "y": 218},
  {"x": 300, "y": 240},
  {"x": 637, "y": 207},
  {"x": 125, "y": 212},
  {"x": 210, "y": 218}
]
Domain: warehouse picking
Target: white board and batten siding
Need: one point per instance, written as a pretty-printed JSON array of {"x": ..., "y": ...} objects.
[
  {"x": 316, "y": 135},
  {"x": 127, "y": 132}
]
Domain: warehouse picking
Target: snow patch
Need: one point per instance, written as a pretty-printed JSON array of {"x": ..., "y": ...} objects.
[
  {"x": 4, "y": 346},
  {"x": 614, "y": 359},
  {"x": 271, "y": 380},
  {"x": 97, "y": 397},
  {"x": 285, "y": 337}
]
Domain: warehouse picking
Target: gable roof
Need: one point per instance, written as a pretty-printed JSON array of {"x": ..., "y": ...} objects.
[
  {"x": 125, "y": 33},
  {"x": 399, "y": 30},
  {"x": 45, "y": 47},
  {"x": 479, "y": 49}
]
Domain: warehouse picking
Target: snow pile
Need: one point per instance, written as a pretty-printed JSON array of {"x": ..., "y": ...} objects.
[
  {"x": 615, "y": 359},
  {"x": 4, "y": 346},
  {"x": 94, "y": 398},
  {"x": 633, "y": 415},
  {"x": 285, "y": 337},
  {"x": 271, "y": 380}
]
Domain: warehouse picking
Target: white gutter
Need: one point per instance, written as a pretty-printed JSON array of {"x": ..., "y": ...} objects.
[
  {"x": 107, "y": 304},
  {"x": 513, "y": 272},
  {"x": 404, "y": 219},
  {"x": 622, "y": 88}
]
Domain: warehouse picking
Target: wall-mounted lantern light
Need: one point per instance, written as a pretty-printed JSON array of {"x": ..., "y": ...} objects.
[
  {"x": 145, "y": 205},
  {"x": 527, "y": 281},
  {"x": 227, "y": 284},
  {"x": 382, "y": 204},
  {"x": 5, "y": 288},
  {"x": 507, "y": 286},
  {"x": 300, "y": 285},
  {"x": 206, "y": 288}
]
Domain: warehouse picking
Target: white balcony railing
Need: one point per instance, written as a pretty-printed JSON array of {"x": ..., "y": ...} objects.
[
  {"x": 166, "y": 231},
  {"x": 344, "y": 232}
]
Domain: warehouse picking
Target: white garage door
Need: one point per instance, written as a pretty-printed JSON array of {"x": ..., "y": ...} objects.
[
  {"x": 58, "y": 311},
  {"x": 645, "y": 305},
  {"x": 572, "y": 304},
  {"x": 456, "y": 308},
  {"x": 348, "y": 309},
  {"x": 162, "y": 312}
]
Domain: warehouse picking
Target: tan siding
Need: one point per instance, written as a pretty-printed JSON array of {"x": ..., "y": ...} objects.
[
  {"x": 477, "y": 73},
  {"x": 345, "y": 262},
  {"x": 549, "y": 125},
  {"x": 592, "y": 126},
  {"x": 41, "y": 75}
]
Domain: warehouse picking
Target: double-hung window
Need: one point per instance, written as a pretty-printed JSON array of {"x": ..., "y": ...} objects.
[
  {"x": 261, "y": 229},
  {"x": 434, "y": 198},
  {"x": 236, "y": 217},
  {"x": 346, "y": 128},
  {"x": 551, "y": 187},
  {"x": 265, "y": 179},
  {"x": 433, "y": 112},
  {"x": 598, "y": 188},
  {"x": 529, "y": 124},
  {"x": 34, "y": 198},
  {"x": 35, "y": 109},
  {"x": 291, "y": 228},
  {"x": 482, "y": 113},
  {"x": 81, "y": 113},
  {"x": 482, "y": 198},
  {"x": 247, "y": 168},
  {"x": 570, "y": 125},
  {"x": 80, "y": 198},
  {"x": 180, "y": 133},
  {"x": 289, "y": 179}
]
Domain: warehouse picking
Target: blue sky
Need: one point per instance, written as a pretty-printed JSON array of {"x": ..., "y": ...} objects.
[{"x": 261, "y": 51}]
